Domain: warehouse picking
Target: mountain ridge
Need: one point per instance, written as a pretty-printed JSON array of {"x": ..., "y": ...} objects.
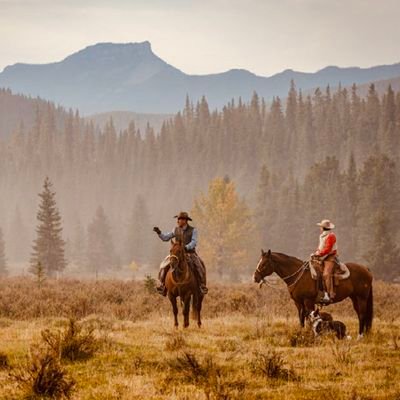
[{"x": 110, "y": 76}]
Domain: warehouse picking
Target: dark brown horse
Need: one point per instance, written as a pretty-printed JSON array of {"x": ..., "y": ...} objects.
[
  {"x": 304, "y": 290},
  {"x": 181, "y": 282}
]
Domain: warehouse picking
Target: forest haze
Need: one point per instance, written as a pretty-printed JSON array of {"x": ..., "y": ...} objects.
[{"x": 327, "y": 155}]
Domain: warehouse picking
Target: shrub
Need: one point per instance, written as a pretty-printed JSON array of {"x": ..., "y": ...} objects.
[
  {"x": 150, "y": 284},
  {"x": 272, "y": 366},
  {"x": 208, "y": 376},
  {"x": 43, "y": 377},
  {"x": 73, "y": 344},
  {"x": 4, "y": 363},
  {"x": 175, "y": 342},
  {"x": 301, "y": 337}
]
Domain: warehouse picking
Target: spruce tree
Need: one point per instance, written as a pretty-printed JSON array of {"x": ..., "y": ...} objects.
[
  {"x": 3, "y": 260},
  {"x": 382, "y": 257},
  {"x": 100, "y": 248},
  {"x": 48, "y": 247},
  {"x": 139, "y": 235}
]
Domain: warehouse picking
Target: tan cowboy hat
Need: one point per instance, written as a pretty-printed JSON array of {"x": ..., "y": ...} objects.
[
  {"x": 183, "y": 215},
  {"x": 325, "y": 223}
]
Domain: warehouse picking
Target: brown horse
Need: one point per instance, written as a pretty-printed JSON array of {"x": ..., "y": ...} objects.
[
  {"x": 181, "y": 282},
  {"x": 304, "y": 290}
]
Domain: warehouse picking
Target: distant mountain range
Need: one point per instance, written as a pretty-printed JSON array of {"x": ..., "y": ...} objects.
[{"x": 130, "y": 77}]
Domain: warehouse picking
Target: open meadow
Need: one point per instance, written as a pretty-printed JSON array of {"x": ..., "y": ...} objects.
[{"x": 115, "y": 340}]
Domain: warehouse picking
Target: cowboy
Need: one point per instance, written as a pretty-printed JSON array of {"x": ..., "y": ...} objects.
[
  {"x": 188, "y": 235},
  {"x": 327, "y": 253}
]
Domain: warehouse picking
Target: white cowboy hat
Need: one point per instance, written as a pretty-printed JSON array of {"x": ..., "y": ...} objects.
[{"x": 325, "y": 223}]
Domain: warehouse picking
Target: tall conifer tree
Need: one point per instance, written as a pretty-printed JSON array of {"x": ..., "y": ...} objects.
[{"x": 48, "y": 247}]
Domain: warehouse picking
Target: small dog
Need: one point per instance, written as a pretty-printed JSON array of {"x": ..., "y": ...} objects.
[{"x": 323, "y": 323}]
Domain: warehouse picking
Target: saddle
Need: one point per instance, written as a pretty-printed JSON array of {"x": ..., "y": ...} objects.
[{"x": 340, "y": 272}]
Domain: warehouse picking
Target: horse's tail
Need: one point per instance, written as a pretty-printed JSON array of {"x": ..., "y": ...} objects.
[
  {"x": 195, "y": 305},
  {"x": 370, "y": 311}
]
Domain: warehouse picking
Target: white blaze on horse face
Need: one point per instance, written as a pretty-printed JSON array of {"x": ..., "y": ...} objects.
[
  {"x": 257, "y": 270},
  {"x": 258, "y": 265}
]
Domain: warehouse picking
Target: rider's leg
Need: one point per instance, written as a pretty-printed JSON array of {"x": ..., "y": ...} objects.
[
  {"x": 161, "y": 277},
  {"x": 328, "y": 277},
  {"x": 201, "y": 272}
]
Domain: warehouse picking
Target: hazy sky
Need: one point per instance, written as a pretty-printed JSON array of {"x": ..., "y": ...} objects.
[{"x": 206, "y": 36}]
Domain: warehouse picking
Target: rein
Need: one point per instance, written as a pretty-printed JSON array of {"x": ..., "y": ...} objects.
[{"x": 291, "y": 286}]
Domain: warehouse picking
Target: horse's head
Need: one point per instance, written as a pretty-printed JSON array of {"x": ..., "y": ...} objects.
[
  {"x": 176, "y": 255},
  {"x": 264, "y": 266}
]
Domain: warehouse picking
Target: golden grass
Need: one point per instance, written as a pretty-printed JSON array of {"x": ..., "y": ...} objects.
[{"x": 144, "y": 357}]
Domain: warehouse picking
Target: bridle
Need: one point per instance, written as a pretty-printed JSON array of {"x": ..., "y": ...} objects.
[{"x": 302, "y": 269}]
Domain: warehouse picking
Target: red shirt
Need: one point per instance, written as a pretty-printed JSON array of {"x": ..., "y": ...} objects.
[{"x": 328, "y": 245}]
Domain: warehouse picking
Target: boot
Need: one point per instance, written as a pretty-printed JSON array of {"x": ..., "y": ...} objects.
[
  {"x": 161, "y": 289},
  {"x": 326, "y": 299},
  {"x": 202, "y": 281},
  {"x": 203, "y": 289},
  {"x": 161, "y": 286}
]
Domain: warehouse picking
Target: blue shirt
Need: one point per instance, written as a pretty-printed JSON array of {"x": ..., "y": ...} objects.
[{"x": 170, "y": 235}]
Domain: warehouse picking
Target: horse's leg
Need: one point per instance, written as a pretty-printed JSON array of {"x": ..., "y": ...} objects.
[
  {"x": 172, "y": 299},
  {"x": 199, "y": 304},
  {"x": 356, "y": 305},
  {"x": 301, "y": 313},
  {"x": 186, "y": 311},
  {"x": 309, "y": 305}
]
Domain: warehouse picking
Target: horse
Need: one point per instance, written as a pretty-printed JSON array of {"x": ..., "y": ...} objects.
[
  {"x": 304, "y": 290},
  {"x": 181, "y": 282}
]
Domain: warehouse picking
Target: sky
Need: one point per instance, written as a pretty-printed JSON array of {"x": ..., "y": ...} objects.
[{"x": 209, "y": 36}]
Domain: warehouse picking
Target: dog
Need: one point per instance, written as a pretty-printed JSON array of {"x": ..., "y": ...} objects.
[{"x": 323, "y": 323}]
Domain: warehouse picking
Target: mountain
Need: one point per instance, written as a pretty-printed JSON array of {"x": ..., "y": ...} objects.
[{"x": 130, "y": 77}]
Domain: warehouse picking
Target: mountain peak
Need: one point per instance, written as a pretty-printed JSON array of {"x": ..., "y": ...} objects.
[{"x": 108, "y": 50}]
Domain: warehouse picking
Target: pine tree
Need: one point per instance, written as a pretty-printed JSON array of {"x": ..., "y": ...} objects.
[
  {"x": 383, "y": 254},
  {"x": 226, "y": 229},
  {"x": 18, "y": 239},
  {"x": 78, "y": 245},
  {"x": 139, "y": 235},
  {"x": 48, "y": 247},
  {"x": 100, "y": 248},
  {"x": 3, "y": 260}
]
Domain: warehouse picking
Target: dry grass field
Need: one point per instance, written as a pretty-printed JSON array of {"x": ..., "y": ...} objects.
[{"x": 115, "y": 340}]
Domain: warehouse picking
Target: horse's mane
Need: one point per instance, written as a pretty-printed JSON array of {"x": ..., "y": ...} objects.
[{"x": 292, "y": 258}]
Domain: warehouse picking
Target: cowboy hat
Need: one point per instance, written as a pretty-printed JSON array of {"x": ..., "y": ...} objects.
[
  {"x": 183, "y": 215},
  {"x": 325, "y": 223}
]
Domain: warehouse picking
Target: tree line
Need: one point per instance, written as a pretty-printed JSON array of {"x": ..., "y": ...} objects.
[{"x": 294, "y": 162}]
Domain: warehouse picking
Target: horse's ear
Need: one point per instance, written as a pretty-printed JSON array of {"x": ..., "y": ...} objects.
[
  {"x": 269, "y": 253},
  {"x": 263, "y": 252}
]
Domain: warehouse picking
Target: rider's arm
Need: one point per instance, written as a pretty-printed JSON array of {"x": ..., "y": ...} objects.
[
  {"x": 166, "y": 236},
  {"x": 193, "y": 243},
  {"x": 329, "y": 242}
]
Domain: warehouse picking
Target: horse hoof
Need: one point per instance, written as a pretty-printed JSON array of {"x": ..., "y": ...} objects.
[{"x": 360, "y": 336}]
